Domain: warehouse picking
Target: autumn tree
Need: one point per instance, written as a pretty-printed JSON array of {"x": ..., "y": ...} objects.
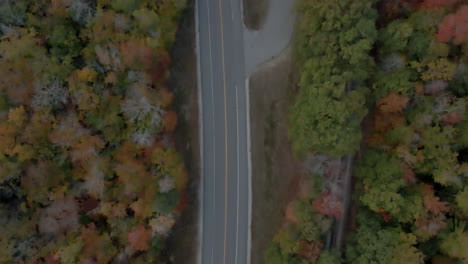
[
  {"x": 329, "y": 204},
  {"x": 84, "y": 107},
  {"x": 382, "y": 245},
  {"x": 453, "y": 27}
]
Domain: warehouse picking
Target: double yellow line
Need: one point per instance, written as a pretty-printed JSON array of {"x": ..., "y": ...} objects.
[{"x": 225, "y": 130}]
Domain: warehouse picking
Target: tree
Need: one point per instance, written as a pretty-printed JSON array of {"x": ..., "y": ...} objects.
[
  {"x": 434, "y": 69},
  {"x": 392, "y": 103},
  {"x": 136, "y": 54},
  {"x": 310, "y": 224},
  {"x": 109, "y": 56},
  {"x": 68, "y": 132},
  {"x": 169, "y": 121},
  {"x": 454, "y": 27},
  {"x": 139, "y": 238},
  {"x": 452, "y": 118},
  {"x": 74, "y": 188},
  {"x": 310, "y": 251},
  {"x": 398, "y": 81},
  {"x": 329, "y": 257},
  {"x": 435, "y": 87},
  {"x": 70, "y": 252},
  {"x": 375, "y": 244},
  {"x": 147, "y": 21},
  {"x": 97, "y": 246},
  {"x": 454, "y": 243},
  {"x": 432, "y": 203},
  {"x": 462, "y": 201},
  {"x": 64, "y": 43},
  {"x": 434, "y": 4},
  {"x": 395, "y": 36},
  {"x": 87, "y": 147},
  {"x": 12, "y": 12},
  {"x": 382, "y": 179},
  {"x": 286, "y": 239},
  {"x": 166, "y": 184},
  {"x": 41, "y": 180},
  {"x": 61, "y": 216},
  {"x": 17, "y": 116},
  {"x": 168, "y": 161},
  {"x": 126, "y": 5},
  {"x": 141, "y": 109},
  {"x": 80, "y": 11},
  {"x": 430, "y": 225},
  {"x": 96, "y": 169},
  {"x": 328, "y": 204},
  {"x": 162, "y": 225},
  {"x": 330, "y": 105},
  {"x": 409, "y": 175},
  {"x": 393, "y": 62}
]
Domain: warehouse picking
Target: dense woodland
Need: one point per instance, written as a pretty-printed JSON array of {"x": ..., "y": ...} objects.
[
  {"x": 403, "y": 66},
  {"x": 88, "y": 168}
]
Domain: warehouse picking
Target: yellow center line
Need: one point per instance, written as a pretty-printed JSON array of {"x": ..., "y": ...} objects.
[{"x": 225, "y": 131}]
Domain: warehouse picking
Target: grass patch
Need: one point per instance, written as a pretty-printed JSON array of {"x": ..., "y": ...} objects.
[{"x": 275, "y": 171}]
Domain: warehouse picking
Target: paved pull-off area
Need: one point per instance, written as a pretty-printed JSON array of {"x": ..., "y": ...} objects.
[{"x": 223, "y": 67}]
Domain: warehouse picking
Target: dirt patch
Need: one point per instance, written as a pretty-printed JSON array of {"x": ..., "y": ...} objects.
[
  {"x": 255, "y": 12},
  {"x": 183, "y": 242},
  {"x": 275, "y": 171}
]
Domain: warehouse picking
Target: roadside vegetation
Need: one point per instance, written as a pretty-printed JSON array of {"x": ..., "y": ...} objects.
[
  {"x": 333, "y": 42},
  {"x": 404, "y": 64},
  {"x": 89, "y": 172}
]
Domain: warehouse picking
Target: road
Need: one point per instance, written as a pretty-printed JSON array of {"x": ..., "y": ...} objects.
[{"x": 224, "y": 137}]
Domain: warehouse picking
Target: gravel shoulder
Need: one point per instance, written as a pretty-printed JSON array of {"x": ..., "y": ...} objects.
[{"x": 275, "y": 171}]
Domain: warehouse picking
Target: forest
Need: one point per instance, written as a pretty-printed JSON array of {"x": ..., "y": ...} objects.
[
  {"x": 387, "y": 82},
  {"x": 89, "y": 172}
]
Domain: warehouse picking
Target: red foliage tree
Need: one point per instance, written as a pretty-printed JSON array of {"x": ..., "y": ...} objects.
[
  {"x": 452, "y": 118},
  {"x": 183, "y": 202},
  {"x": 136, "y": 53},
  {"x": 408, "y": 175},
  {"x": 328, "y": 204},
  {"x": 432, "y": 203},
  {"x": 433, "y": 4},
  {"x": 454, "y": 27},
  {"x": 386, "y": 216},
  {"x": 158, "y": 70},
  {"x": 139, "y": 238},
  {"x": 170, "y": 121},
  {"x": 310, "y": 250}
]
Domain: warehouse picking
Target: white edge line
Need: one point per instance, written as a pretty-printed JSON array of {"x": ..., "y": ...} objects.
[
  {"x": 237, "y": 207},
  {"x": 200, "y": 137},
  {"x": 249, "y": 167},
  {"x": 249, "y": 156},
  {"x": 213, "y": 123}
]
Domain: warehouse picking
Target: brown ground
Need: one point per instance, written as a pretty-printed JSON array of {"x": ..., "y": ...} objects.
[
  {"x": 255, "y": 12},
  {"x": 275, "y": 170},
  {"x": 182, "y": 244}
]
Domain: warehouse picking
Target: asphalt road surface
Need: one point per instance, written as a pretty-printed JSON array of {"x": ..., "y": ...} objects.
[{"x": 225, "y": 184}]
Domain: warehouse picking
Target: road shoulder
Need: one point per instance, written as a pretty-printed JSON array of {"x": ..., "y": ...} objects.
[
  {"x": 275, "y": 171},
  {"x": 183, "y": 242}
]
